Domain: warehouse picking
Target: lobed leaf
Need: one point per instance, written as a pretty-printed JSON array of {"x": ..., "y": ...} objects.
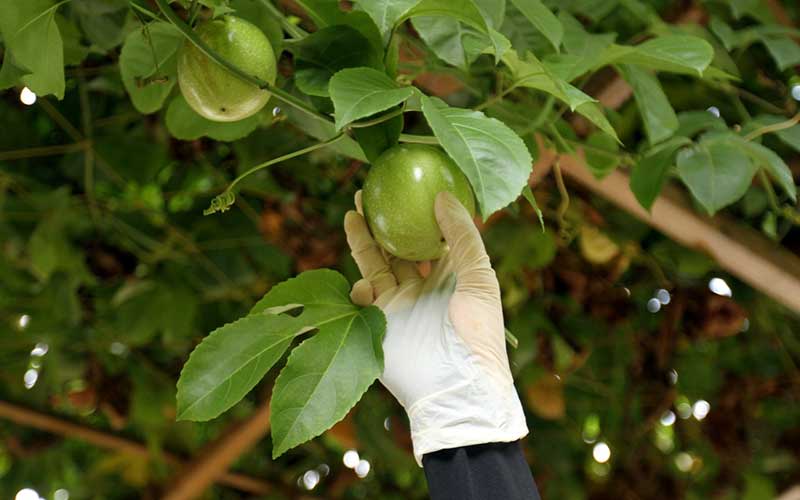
[
  {"x": 325, "y": 377},
  {"x": 228, "y": 363}
]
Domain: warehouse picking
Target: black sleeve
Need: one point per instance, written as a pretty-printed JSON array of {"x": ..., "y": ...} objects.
[{"x": 490, "y": 471}]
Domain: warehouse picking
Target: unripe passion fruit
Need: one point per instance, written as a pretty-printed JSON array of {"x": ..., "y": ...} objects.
[
  {"x": 212, "y": 90},
  {"x": 399, "y": 194}
]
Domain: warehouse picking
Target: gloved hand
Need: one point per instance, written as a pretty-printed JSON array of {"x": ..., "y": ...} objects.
[{"x": 444, "y": 350}]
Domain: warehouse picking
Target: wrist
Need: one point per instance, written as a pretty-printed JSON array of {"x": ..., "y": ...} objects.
[{"x": 472, "y": 412}]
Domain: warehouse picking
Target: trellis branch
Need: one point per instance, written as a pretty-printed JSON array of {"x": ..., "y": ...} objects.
[
  {"x": 212, "y": 462},
  {"x": 55, "y": 425}
]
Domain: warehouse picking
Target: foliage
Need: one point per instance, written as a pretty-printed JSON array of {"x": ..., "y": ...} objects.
[{"x": 112, "y": 276}]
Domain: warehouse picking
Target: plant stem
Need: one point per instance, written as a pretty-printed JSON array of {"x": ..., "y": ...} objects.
[
  {"x": 384, "y": 118},
  {"x": 200, "y": 44},
  {"x": 494, "y": 99},
  {"x": 88, "y": 153},
  {"x": 771, "y": 196},
  {"x": 294, "y": 30},
  {"x": 60, "y": 149},
  {"x": 285, "y": 157},
  {"x": 419, "y": 139},
  {"x": 775, "y": 127}
]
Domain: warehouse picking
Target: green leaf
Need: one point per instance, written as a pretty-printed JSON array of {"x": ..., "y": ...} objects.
[
  {"x": 715, "y": 170},
  {"x": 531, "y": 73},
  {"x": 528, "y": 194},
  {"x": 323, "y": 53},
  {"x": 74, "y": 50},
  {"x": 386, "y": 13},
  {"x": 784, "y": 50},
  {"x": 451, "y": 41},
  {"x": 103, "y": 21},
  {"x": 325, "y": 377},
  {"x": 491, "y": 155},
  {"x": 602, "y": 155},
  {"x": 322, "y": 130},
  {"x": 594, "y": 113},
  {"x": 324, "y": 294},
  {"x": 691, "y": 123},
  {"x": 650, "y": 172},
  {"x": 584, "y": 49},
  {"x": 31, "y": 35},
  {"x": 673, "y": 53},
  {"x": 185, "y": 124},
  {"x": 728, "y": 37},
  {"x": 543, "y": 19},
  {"x": 228, "y": 363},
  {"x": 659, "y": 119},
  {"x": 378, "y": 138},
  {"x": 774, "y": 165},
  {"x": 327, "y": 13},
  {"x": 362, "y": 92},
  {"x": 148, "y": 65},
  {"x": 465, "y": 11}
]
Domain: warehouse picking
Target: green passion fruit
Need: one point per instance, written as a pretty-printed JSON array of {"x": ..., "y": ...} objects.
[
  {"x": 399, "y": 194},
  {"x": 212, "y": 90}
]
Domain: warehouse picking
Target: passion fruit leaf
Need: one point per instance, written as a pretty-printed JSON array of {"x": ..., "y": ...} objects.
[
  {"x": 325, "y": 376},
  {"x": 672, "y": 53},
  {"x": 185, "y": 124},
  {"x": 715, "y": 170},
  {"x": 659, "y": 119},
  {"x": 602, "y": 154},
  {"x": 228, "y": 363},
  {"x": 650, "y": 172},
  {"x": 543, "y": 19},
  {"x": 466, "y": 11},
  {"x": 321, "y": 54},
  {"x": 528, "y": 194},
  {"x": 326, "y": 13},
  {"x": 30, "y": 34},
  {"x": 774, "y": 165},
  {"x": 530, "y": 72},
  {"x": 148, "y": 65},
  {"x": 385, "y": 13},
  {"x": 362, "y": 92},
  {"x": 323, "y": 293},
  {"x": 494, "y": 158}
]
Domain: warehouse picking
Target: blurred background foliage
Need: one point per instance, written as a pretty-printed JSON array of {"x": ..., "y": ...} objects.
[{"x": 645, "y": 370}]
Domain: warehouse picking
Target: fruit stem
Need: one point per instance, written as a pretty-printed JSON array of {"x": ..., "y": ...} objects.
[
  {"x": 384, "y": 118},
  {"x": 418, "y": 139},
  {"x": 190, "y": 35}
]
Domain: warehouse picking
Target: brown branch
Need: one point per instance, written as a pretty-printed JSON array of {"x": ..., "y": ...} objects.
[
  {"x": 56, "y": 425},
  {"x": 741, "y": 251},
  {"x": 59, "y": 149},
  {"x": 212, "y": 462}
]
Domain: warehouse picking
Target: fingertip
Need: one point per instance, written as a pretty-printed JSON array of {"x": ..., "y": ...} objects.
[
  {"x": 358, "y": 202},
  {"x": 362, "y": 293}
]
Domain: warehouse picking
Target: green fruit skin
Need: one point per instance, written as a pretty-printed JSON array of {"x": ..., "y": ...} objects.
[
  {"x": 211, "y": 90},
  {"x": 399, "y": 194}
]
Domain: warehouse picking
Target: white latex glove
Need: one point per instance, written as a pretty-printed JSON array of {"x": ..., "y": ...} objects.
[{"x": 444, "y": 350}]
